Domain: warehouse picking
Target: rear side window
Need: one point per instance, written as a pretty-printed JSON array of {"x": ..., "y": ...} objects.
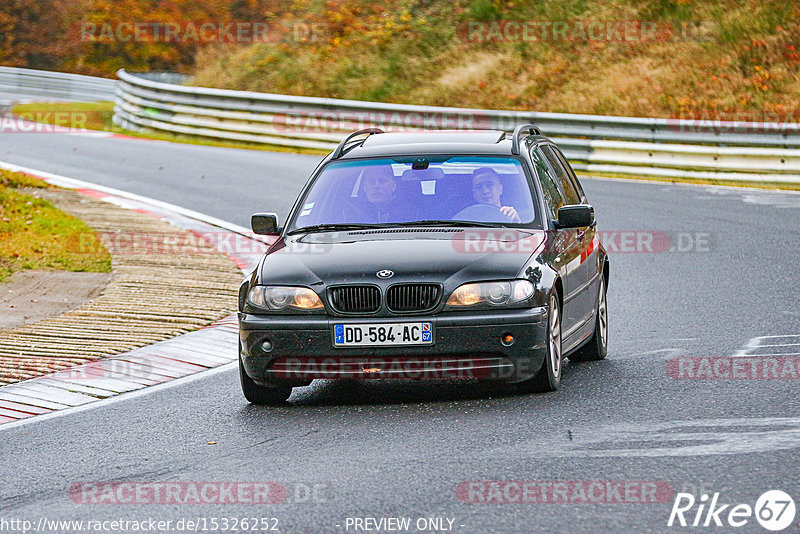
[
  {"x": 571, "y": 194},
  {"x": 550, "y": 187},
  {"x": 570, "y": 171}
]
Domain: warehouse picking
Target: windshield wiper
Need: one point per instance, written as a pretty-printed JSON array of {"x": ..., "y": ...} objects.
[
  {"x": 361, "y": 226},
  {"x": 445, "y": 222},
  {"x": 332, "y": 228}
]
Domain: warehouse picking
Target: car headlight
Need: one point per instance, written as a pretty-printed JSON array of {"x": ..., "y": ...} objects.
[
  {"x": 501, "y": 294},
  {"x": 281, "y": 298}
]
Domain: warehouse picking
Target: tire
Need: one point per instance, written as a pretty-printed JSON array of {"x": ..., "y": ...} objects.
[
  {"x": 261, "y": 394},
  {"x": 549, "y": 376},
  {"x": 597, "y": 347}
]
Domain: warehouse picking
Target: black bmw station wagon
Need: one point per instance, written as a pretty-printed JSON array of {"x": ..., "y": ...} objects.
[{"x": 443, "y": 254}]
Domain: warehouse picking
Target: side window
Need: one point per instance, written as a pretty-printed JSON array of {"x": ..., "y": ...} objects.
[
  {"x": 552, "y": 194},
  {"x": 567, "y": 185},
  {"x": 571, "y": 172}
]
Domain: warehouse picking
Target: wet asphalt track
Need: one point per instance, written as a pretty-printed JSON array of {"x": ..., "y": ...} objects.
[{"x": 400, "y": 449}]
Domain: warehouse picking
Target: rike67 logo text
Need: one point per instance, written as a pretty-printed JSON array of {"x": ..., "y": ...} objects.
[{"x": 774, "y": 510}]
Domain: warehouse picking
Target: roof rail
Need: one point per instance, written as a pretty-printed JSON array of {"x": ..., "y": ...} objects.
[
  {"x": 340, "y": 149},
  {"x": 517, "y": 135}
]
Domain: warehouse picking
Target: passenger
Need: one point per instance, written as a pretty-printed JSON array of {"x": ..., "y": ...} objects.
[{"x": 486, "y": 188}]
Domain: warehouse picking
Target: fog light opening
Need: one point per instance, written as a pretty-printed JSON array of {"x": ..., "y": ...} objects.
[
  {"x": 507, "y": 340},
  {"x": 266, "y": 345}
]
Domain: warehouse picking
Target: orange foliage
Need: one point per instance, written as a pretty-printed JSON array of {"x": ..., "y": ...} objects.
[{"x": 94, "y": 36}]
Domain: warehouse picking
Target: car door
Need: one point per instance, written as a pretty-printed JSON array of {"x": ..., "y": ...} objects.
[
  {"x": 566, "y": 242},
  {"x": 584, "y": 298},
  {"x": 591, "y": 241}
]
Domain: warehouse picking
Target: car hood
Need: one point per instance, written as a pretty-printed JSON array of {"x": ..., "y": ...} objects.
[{"x": 440, "y": 255}]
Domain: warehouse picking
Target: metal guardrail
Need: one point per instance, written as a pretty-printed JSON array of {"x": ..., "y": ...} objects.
[
  {"x": 56, "y": 85},
  {"x": 625, "y": 145}
]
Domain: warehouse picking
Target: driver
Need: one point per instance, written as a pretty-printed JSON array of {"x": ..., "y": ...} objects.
[{"x": 486, "y": 188}]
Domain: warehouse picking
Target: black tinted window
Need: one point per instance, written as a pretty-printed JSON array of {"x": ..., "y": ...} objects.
[
  {"x": 571, "y": 172},
  {"x": 552, "y": 193},
  {"x": 571, "y": 194}
]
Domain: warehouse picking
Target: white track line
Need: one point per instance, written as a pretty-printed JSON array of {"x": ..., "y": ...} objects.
[{"x": 121, "y": 397}]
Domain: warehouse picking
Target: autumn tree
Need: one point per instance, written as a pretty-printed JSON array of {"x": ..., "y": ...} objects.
[{"x": 96, "y": 36}]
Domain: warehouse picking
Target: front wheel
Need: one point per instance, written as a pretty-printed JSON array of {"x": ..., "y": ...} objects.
[
  {"x": 549, "y": 376},
  {"x": 597, "y": 347},
  {"x": 261, "y": 394}
]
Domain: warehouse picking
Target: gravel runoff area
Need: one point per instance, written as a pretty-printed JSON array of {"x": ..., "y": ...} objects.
[{"x": 155, "y": 292}]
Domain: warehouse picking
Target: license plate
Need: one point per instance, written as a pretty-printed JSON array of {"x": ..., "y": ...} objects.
[{"x": 384, "y": 334}]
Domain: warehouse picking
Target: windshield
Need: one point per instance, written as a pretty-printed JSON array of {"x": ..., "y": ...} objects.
[{"x": 482, "y": 190}]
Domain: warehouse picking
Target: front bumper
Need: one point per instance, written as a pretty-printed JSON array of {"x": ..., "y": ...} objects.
[{"x": 466, "y": 345}]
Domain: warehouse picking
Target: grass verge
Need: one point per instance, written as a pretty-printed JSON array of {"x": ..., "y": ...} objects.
[{"x": 34, "y": 234}]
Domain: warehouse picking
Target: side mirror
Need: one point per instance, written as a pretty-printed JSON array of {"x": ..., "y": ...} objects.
[
  {"x": 575, "y": 216},
  {"x": 264, "y": 223}
]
